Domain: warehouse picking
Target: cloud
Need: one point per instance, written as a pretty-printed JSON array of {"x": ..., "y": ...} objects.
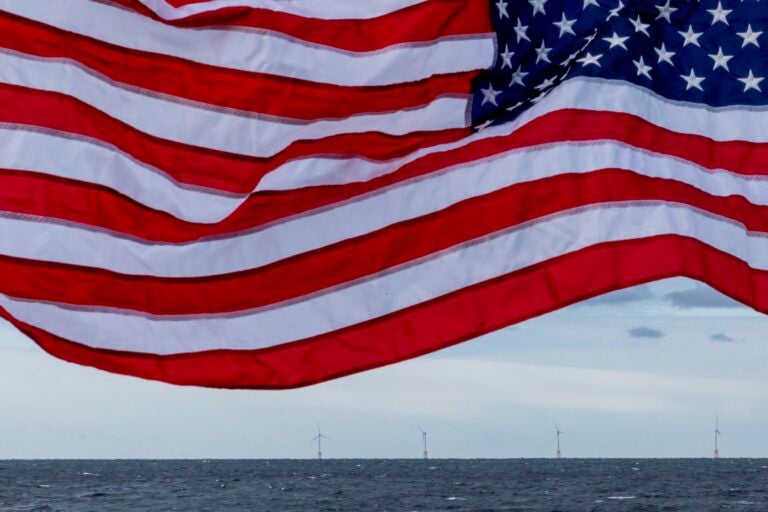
[
  {"x": 721, "y": 337},
  {"x": 620, "y": 297},
  {"x": 645, "y": 332},
  {"x": 700, "y": 297}
]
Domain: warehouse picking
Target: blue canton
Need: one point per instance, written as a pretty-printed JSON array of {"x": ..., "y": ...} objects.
[{"x": 705, "y": 51}]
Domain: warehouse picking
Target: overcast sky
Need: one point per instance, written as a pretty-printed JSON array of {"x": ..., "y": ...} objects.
[{"x": 638, "y": 373}]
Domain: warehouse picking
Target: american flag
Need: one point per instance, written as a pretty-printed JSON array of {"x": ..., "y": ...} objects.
[{"x": 273, "y": 193}]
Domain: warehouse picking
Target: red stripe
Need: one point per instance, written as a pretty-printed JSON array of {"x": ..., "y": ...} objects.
[
  {"x": 422, "y": 22},
  {"x": 437, "y": 324},
  {"x": 251, "y": 92},
  {"x": 342, "y": 262},
  {"x": 190, "y": 164},
  {"x": 101, "y": 207}
]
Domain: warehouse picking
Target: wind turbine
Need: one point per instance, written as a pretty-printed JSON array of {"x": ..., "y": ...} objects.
[
  {"x": 717, "y": 433},
  {"x": 424, "y": 440},
  {"x": 557, "y": 436},
  {"x": 319, "y": 438}
]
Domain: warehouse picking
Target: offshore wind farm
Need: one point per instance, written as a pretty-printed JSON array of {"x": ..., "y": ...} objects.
[{"x": 319, "y": 437}]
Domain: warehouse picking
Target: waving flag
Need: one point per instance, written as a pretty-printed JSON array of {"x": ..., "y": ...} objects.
[{"x": 273, "y": 193}]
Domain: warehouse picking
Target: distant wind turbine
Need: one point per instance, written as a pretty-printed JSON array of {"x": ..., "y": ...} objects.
[
  {"x": 424, "y": 440},
  {"x": 717, "y": 434},
  {"x": 557, "y": 437},
  {"x": 319, "y": 438}
]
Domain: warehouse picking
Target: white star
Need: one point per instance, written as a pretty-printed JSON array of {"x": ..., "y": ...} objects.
[
  {"x": 719, "y": 14},
  {"x": 588, "y": 40},
  {"x": 485, "y": 124},
  {"x": 752, "y": 82},
  {"x": 506, "y": 57},
  {"x": 587, "y": 3},
  {"x": 521, "y": 31},
  {"x": 501, "y": 5},
  {"x": 615, "y": 40},
  {"x": 691, "y": 37},
  {"x": 565, "y": 25},
  {"x": 721, "y": 60},
  {"x": 616, "y": 10},
  {"x": 513, "y": 107},
  {"x": 489, "y": 95},
  {"x": 665, "y": 11},
  {"x": 571, "y": 58},
  {"x": 664, "y": 55},
  {"x": 642, "y": 67},
  {"x": 692, "y": 81},
  {"x": 517, "y": 77},
  {"x": 749, "y": 37},
  {"x": 639, "y": 25},
  {"x": 542, "y": 53},
  {"x": 538, "y": 6},
  {"x": 590, "y": 59},
  {"x": 546, "y": 84}
]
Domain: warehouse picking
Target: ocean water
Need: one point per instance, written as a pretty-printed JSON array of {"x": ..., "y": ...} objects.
[{"x": 386, "y": 485}]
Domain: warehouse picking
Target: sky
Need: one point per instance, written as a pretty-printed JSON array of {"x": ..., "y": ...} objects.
[{"x": 638, "y": 373}]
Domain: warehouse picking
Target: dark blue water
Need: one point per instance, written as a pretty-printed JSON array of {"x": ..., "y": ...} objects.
[{"x": 385, "y": 485}]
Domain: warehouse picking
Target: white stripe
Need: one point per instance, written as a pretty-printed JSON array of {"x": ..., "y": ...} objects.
[
  {"x": 738, "y": 123},
  {"x": 198, "y": 126},
  {"x": 98, "y": 163},
  {"x": 92, "y": 162},
  {"x": 720, "y": 124},
  {"x": 260, "y": 52},
  {"x": 410, "y": 285},
  {"x": 74, "y": 245},
  {"x": 320, "y": 9}
]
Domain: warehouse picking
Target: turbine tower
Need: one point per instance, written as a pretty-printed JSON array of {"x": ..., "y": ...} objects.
[
  {"x": 557, "y": 437},
  {"x": 425, "y": 455},
  {"x": 319, "y": 438},
  {"x": 717, "y": 433}
]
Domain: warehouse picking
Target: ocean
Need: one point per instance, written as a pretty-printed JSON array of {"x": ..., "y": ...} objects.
[{"x": 614, "y": 485}]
